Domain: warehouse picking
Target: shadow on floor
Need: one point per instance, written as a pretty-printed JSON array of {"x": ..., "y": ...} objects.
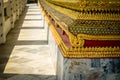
[
  {"x": 6, "y": 50},
  {"x": 26, "y": 77}
]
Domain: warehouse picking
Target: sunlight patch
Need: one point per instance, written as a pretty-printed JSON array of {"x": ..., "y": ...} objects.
[
  {"x": 30, "y": 59},
  {"x": 32, "y": 34},
  {"x": 32, "y": 23}
]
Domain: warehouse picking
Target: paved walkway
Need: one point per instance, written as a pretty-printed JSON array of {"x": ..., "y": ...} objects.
[{"x": 26, "y": 55}]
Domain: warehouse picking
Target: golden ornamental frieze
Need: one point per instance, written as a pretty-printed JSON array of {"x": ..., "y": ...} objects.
[
  {"x": 87, "y": 10},
  {"x": 98, "y": 37},
  {"x": 84, "y": 52},
  {"x": 77, "y": 50},
  {"x": 88, "y": 5}
]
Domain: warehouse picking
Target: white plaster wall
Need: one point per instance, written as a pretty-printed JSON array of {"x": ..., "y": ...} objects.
[
  {"x": 12, "y": 15},
  {"x": 7, "y": 20},
  {"x": 51, "y": 42},
  {"x": 7, "y": 27},
  {"x": 53, "y": 49},
  {"x": 60, "y": 66},
  {"x": 57, "y": 58}
]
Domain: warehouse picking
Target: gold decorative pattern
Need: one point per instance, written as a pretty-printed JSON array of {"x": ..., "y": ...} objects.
[
  {"x": 78, "y": 51},
  {"x": 75, "y": 41},
  {"x": 87, "y": 10},
  {"x": 78, "y": 40},
  {"x": 98, "y": 37}
]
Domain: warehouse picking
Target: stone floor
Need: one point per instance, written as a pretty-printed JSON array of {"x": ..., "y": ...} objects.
[{"x": 26, "y": 55}]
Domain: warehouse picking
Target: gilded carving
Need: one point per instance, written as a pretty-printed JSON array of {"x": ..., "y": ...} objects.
[
  {"x": 95, "y": 23},
  {"x": 76, "y": 42}
]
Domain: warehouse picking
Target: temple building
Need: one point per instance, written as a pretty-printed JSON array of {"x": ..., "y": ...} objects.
[{"x": 59, "y": 39}]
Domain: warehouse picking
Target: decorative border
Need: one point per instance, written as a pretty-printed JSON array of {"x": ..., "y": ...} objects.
[
  {"x": 87, "y": 52},
  {"x": 104, "y": 12},
  {"x": 98, "y": 37},
  {"x": 79, "y": 5}
]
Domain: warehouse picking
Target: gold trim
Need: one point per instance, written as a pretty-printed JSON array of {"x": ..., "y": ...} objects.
[
  {"x": 98, "y": 37},
  {"x": 78, "y": 41},
  {"x": 81, "y": 52},
  {"x": 87, "y": 5},
  {"x": 85, "y": 16}
]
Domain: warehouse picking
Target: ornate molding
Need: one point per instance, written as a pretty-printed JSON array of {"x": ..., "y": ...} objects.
[
  {"x": 98, "y": 37},
  {"x": 75, "y": 41},
  {"x": 88, "y": 10},
  {"x": 78, "y": 51}
]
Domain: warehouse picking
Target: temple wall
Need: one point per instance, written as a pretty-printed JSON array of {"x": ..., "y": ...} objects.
[
  {"x": 57, "y": 58},
  {"x": 83, "y": 69},
  {"x": 53, "y": 48},
  {"x": 91, "y": 69},
  {"x": 7, "y": 19},
  {"x": 10, "y": 10}
]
